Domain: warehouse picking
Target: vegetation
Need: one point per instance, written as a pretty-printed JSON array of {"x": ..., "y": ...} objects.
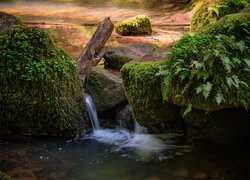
[
  {"x": 143, "y": 91},
  {"x": 206, "y": 12},
  {"x": 4, "y": 176},
  {"x": 137, "y": 25},
  {"x": 40, "y": 88},
  {"x": 213, "y": 63}
]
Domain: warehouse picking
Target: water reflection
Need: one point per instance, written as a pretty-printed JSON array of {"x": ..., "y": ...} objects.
[{"x": 93, "y": 11}]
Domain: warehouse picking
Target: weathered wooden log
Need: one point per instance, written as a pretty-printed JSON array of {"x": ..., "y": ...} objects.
[{"x": 94, "y": 50}]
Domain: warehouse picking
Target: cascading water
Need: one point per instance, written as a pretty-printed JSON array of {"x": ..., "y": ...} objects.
[
  {"x": 92, "y": 112},
  {"x": 145, "y": 145}
]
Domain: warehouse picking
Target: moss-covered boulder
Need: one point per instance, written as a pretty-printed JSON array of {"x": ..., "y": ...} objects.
[
  {"x": 207, "y": 73},
  {"x": 138, "y": 25},
  {"x": 210, "y": 69},
  {"x": 106, "y": 89},
  {"x": 40, "y": 90},
  {"x": 143, "y": 90},
  {"x": 207, "y": 12},
  {"x": 228, "y": 128}
]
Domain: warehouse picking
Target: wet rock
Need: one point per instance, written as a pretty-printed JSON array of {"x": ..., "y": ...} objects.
[
  {"x": 124, "y": 116},
  {"x": 106, "y": 89},
  {"x": 40, "y": 88},
  {"x": 116, "y": 57},
  {"x": 143, "y": 90},
  {"x": 137, "y": 25},
  {"x": 7, "y": 21},
  {"x": 228, "y": 128}
]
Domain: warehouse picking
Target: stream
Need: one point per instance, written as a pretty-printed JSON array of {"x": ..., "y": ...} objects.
[{"x": 112, "y": 154}]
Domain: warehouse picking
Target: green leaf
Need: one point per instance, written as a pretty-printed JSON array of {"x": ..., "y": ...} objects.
[
  {"x": 188, "y": 110},
  {"x": 241, "y": 45},
  {"x": 229, "y": 81},
  {"x": 226, "y": 63},
  {"x": 219, "y": 98},
  {"x": 247, "y": 61},
  {"x": 203, "y": 74},
  {"x": 236, "y": 81},
  {"x": 205, "y": 89},
  {"x": 244, "y": 83}
]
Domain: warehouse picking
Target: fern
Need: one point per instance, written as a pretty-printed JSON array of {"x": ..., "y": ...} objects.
[
  {"x": 188, "y": 109},
  {"x": 219, "y": 98},
  {"x": 205, "y": 89}
]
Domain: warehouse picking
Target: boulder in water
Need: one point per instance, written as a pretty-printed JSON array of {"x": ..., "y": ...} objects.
[
  {"x": 143, "y": 90},
  {"x": 106, "y": 89},
  {"x": 40, "y": 89}
]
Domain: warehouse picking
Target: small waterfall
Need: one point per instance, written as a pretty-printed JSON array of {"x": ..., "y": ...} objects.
[
  {"x": 145, "y": 144},
  {"x": 92, "y": 112},
  {"x": 138, "y": 129}
]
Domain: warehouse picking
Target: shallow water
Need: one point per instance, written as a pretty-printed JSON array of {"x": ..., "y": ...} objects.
[
  {"x": 93, "y": 11},
  {"x": 85, "y": 158},
  {"x": 66, "y": 20}
]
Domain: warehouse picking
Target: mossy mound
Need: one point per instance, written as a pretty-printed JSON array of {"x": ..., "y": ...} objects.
[
  {"x": 137, "y": 25},
  {"x": 143, "y": 91},
  {"x": 210, "y": 69},
  {"x": 206, "y": 12},
  {"x": 40, "y": 90}
]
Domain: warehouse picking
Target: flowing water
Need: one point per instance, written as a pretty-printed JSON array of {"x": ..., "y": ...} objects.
[{"x": 118, "y": 154}]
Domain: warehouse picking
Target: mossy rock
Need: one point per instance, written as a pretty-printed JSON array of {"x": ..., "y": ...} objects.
[
  {"x": 231, "y": 25},
  {"x": 207, "y": 12},
  {"x": 210, "y": 69},
  {"x": 4, "y": 176},
  {"x": 228, "y": 128},
  {"x": 40, "y": 89},
  {"x": 7, "y": 21},
  {"x": 106, "y": 89},
  {"x": 143, "y": 90},
  {"x": 138, "y": 25},
  {"x": 116, "y": 59}
]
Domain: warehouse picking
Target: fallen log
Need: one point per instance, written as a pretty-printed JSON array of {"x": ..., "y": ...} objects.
[{"x": 94, "y": 50}]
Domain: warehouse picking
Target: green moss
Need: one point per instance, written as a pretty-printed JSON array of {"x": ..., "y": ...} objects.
[
  {"x": 207, "y": 12},
  {"x": 232, "y": 25},
  {"x": 210, "y": 69},
  {"x": 40, "y": 87},
  {"x": 3, "y": 176},
  {"x": 137, "y": 25},
  {"x": 143, "y": 90}
]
